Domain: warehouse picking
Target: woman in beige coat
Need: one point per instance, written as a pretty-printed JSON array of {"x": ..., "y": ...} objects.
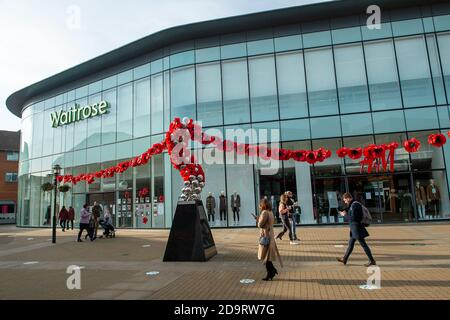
[{"x": 269, "y": 252}]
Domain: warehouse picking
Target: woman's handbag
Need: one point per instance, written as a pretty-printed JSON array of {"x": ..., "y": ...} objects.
[{"x": 264, "y": 241}]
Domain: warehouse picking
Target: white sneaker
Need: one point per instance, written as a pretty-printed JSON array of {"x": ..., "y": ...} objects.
[{"x": 293, "y": 242}]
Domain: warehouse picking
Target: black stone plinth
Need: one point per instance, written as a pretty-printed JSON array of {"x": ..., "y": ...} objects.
[{"x": 190, "y": 237}]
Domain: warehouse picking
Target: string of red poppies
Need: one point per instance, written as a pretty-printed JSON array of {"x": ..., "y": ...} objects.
[
  {"x": 374, "y": 155},
  {"x": 121, "y": 167}
]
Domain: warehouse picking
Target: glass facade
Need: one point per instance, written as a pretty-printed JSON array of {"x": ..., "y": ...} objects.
[{"x": 340, "y": 87}]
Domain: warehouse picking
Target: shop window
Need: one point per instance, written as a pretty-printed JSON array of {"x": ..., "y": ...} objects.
[
  {"x": 427, "y": 157},
  {"x": 353, "y": 166},
  {"x": 332, "y": 166},
  {"x": 401, "y": 162},
  {"x": 431, "y": 192},
  {"x": 297, "y": 178}
]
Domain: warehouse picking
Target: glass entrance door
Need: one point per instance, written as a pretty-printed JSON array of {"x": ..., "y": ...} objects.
[
  {"x": 369, "y": 191},
  {"x": 398, "y": 198},
  {"x": 388, "y": 197},
  {"x": 106, "y": 201}
]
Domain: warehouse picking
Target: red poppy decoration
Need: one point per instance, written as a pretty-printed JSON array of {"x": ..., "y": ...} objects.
[
  {"x": 263, "y": 152},
  {"x": 322, "y": 154},
  {"x": 342, "y": 152},
  {"x": 299, "y": 155},
  {"x": 252, "y": 150},
  {"x": 145, "y": 220},
  {"x": 391, "y": 147},
  {"x": 412, "y": 145},
  {"x": 143, "y": 192},
  {"x": 311, "y": 156},
  {"x": 287, "y": 154},
  {"x": 127, "y": 194},
  {"x": 281, "y": 154},
  {"x": 374, "y": 155},
  {"x": 240, "y": 148},
  {"x": 378, "y": 151},
  {"x": 355, "y": 153},
  {"x": 448, "y": 133},
  {"x": 437, "y": 140}
]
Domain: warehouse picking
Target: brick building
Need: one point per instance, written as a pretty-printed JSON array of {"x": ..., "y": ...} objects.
[{"x": 9, "y": 161}]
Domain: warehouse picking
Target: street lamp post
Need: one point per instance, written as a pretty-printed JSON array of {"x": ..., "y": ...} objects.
[{"x": 56, "y": 172}]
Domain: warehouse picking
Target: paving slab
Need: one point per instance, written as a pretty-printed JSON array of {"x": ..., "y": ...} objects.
[{"x": 413, "y": 261}]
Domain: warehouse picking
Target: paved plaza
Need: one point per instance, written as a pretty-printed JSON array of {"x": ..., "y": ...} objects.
[{"x": 414, "y": 261}]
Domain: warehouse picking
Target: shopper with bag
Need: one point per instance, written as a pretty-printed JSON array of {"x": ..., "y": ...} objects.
[
  {"x": 284, "y": 212},
  {"x": 84, "y": 222},
  {"x": 267, "y": 251},
  {"x": 355, "y": 216}
]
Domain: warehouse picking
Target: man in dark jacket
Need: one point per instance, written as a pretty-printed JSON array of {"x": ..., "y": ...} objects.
[
  {"x": 291, "y": 204},
  {"x": 70, "y": 217},
  {"x": 96, "y": 213},
  {"x": 357, "y": 229}
]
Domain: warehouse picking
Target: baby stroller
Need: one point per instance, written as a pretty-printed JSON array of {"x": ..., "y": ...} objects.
[{"x": 109, "y": 231}]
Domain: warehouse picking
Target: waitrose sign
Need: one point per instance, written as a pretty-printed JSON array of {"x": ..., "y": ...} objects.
[{"x": 77, "y": 113}]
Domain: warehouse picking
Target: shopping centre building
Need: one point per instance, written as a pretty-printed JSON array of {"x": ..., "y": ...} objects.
[{"x": 317, "y": 74}]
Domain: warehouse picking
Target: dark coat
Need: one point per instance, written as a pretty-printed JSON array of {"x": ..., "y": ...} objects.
[
  {"x": 97, "y": 211},
  {"x": 210, "y": 204},
  {"x": 290, "y": 203},
  {"x": 235, "y": 203},
  {"x": 63, "y": 214},
  {"x": 71, "y": 215},
  {"x": 354, "y": 217},
  {"x": 223, "y": 203}
]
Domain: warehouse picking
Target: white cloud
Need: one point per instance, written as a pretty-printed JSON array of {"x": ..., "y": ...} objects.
[{"x": 36, "y": 42}]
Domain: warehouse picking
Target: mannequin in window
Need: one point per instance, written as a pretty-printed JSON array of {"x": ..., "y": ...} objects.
[
  {"x": 421, "y": 198},
  {"x": 406, "y": 204},
  {"x": 393, "y": 197},
  {"x": 235, "y": 206},
  {"x": 433, "y": 197},
  {"x": 210, "y": 206},
  {"x": 223, "y": 206}
]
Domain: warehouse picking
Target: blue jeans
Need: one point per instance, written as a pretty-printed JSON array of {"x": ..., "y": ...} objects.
[
  {"x": 362, "y": 242},
  {"x": 286, "y": 227},
  {"x": 293, "y": 228}
]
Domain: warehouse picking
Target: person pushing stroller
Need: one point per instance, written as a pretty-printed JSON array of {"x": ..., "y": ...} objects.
[{"x": 106, "y": 224}]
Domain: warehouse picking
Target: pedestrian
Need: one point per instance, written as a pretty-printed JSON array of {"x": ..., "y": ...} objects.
[
  {"x": 84, "y": 223},
  {"x": 292, "y": 204},
  {"x": 106, "y": 223},
  {"x": 284, "y": 212},
  {"x": 47, "y": 215},
  {"x": 70, "y": 217},
  {"x": 267, "y": 250},
  {"x": 96, "y": 213},
  {"x": 63, "y": 214},
  {"x": 354, "y": 215}
]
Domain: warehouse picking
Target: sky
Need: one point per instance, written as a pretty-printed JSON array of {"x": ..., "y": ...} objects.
[{"x": 41, "y": 38}]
